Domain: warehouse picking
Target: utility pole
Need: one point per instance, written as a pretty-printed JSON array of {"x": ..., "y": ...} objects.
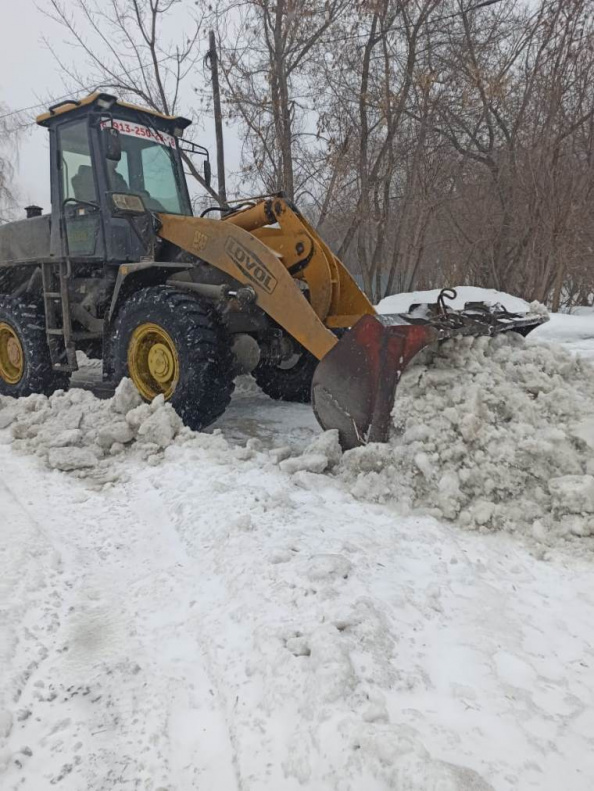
[{"x": 213, "y": 63}]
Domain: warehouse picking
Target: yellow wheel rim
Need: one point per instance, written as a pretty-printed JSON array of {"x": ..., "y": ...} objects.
[
  {"x": 153, "y": 362},
  {"x": 12, "y": 359}
]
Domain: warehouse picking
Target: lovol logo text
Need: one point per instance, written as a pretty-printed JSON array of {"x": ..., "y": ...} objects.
[{"x": 251, "y": 266}]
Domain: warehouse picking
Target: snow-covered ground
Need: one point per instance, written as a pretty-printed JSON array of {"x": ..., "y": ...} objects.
[
  {"x": 575, "y": 332},
  {"x": 220, "y": 611}
]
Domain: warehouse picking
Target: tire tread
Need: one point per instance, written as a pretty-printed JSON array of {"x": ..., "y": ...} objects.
[
  {"x": 206, "y": 391},
  {"x": 27, "y": 317}
]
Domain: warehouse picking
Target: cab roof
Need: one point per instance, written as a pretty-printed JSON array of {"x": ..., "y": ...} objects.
[{"x": 104, "y": 101}]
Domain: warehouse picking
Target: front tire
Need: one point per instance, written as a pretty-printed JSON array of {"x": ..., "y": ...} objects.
[
  {"x": 170, "y": 343},
  {"x": 25, "y": 363}
]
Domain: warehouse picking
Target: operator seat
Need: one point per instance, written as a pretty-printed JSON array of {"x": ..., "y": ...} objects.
[
  {"x": 118, "y": 182},
  {"x": 83, "y": 184}
]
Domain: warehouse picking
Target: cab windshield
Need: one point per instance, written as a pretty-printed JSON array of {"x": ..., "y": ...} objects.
[{"x": 149, "y": 167}]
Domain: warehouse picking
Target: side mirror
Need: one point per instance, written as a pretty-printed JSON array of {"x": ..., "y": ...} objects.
[
  {"x": 112, "y": 144},
  {"x": 207, "y": 172}
]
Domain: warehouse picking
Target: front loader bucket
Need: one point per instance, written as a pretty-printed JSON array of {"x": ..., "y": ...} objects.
[{"x": 354, "y": 385}]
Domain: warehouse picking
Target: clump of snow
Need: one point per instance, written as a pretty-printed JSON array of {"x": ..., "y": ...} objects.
[
  {"x": 493, "y": 433},
  {"x": 126, "y": 397},
  {"x": 306, "y": 462},
  {"x": 400, "y": 303},
  {"x": 68, "y": 458},
  {"x": 78, "y": 433},
  {"x": 327, "y": 567},
  {"x": 246, "y": 385},
  {"x": 537, "y": 309},
  {"x": 323, "y": 453}
]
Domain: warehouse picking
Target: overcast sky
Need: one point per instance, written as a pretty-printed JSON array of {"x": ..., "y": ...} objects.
[{"x": 29, "y": 75}]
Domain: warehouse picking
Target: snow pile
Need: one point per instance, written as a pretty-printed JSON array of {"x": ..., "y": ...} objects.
[
  {"x": 400, "y": 303},
  {"x": 322, "y": 454},
  {"x": 493, "y": 433},
  {"x": 246, "y": 385},
  {"x": 78, "y": 433}
]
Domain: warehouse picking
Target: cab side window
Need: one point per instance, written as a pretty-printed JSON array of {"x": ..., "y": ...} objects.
[{"x": 77, "y": 167}]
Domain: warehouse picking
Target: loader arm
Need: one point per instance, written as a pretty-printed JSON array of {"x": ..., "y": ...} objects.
[
  {"x": 270, "y": 246},
  {"x": 333, "y": 293},
  {"x": 248, "y": 260}
]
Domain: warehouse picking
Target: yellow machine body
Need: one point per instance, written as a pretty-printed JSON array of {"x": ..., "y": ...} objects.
[{"x": 271, "y": 247}]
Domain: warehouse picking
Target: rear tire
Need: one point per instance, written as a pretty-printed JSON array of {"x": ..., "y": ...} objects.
[
  {"x": 168, "y": 342},
  {"x": 290, "y": 383},
  {"x": 25, "y": 363}
]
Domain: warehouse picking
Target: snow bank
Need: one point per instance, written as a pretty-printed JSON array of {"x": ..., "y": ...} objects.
[
  {"x": 493, "y": 433},
  {"x": 565, "y": 328},
  {"x": 78, "y": 433},
  {"x": 582, "y": 310},
  {"x": 400, "y": 303}
]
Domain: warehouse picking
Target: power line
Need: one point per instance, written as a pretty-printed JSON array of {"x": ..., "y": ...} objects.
[{"x": 84, "y": 89}]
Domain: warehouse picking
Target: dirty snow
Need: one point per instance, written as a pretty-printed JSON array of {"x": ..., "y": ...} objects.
[
  {"x": 219, "y": 611},
  {"x": 76, "y": 432},
  {"x": 493, "y": 433}
]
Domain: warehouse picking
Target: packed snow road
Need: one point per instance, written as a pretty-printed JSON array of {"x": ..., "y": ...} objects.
[{"x": 206, "y": 613}]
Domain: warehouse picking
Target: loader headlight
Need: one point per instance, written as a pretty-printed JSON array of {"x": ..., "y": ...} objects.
[{"x": 127, "y": 204}]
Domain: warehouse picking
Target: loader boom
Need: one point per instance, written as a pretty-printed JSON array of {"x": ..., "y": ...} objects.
[{"x": 274, "y": 261}]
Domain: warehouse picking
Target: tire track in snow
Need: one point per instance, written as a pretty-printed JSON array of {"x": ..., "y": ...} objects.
[
  {"x": 159, "y": 522},
  {"x": 119, "y": 676},
  {"x": 32, "y": 593},
  {"x": 197, "y": 512}
]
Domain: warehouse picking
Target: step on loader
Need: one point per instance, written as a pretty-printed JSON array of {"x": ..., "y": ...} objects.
[{"x": 121, "y": 269}]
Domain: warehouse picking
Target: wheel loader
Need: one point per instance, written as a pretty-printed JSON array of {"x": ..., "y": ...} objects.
[{"x": 122, "y": 270}]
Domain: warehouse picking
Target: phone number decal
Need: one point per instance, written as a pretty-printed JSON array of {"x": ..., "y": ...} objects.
[{"x": 137, "y": 130}]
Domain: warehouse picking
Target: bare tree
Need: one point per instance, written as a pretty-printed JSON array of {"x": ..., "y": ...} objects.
[
  {"x": 267, "y": 48},
  {"x": 516, "y": 94},
  {"x": 488, "y": 179},
  {"x": 373, "y": 78},
  {"x": 127, "y": 47}
]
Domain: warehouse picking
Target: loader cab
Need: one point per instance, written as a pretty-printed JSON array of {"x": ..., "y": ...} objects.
[{"x": 113, "y": 167}]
